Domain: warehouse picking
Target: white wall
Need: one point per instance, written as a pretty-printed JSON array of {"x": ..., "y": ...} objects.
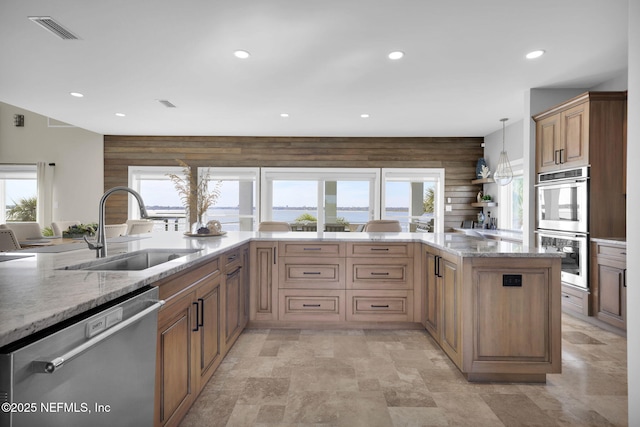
[
  {"x": 633, "y": 207},
  {"x": 77, "y": 153}
]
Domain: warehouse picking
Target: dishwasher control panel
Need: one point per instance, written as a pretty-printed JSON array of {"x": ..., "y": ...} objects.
[{"x": 105, "y": 321}]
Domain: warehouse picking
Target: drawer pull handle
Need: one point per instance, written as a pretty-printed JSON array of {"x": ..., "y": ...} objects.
[
  {"x": 311, "y": 272},
  {"x": 373, "y": 273},
  {"x": 379, "y": 306},
  {"x": 379, "y": 249},
  {"x": 311, "y": 305},
  {"x": 312, "y": 249},
  {"x": 234, "y": 272},
  {"x": 232, "y": 257}
]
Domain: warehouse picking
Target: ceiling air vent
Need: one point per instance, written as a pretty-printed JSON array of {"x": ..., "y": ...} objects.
[
  {"x": 166, "y": 103},
  {"x": 50, "y": 24}
]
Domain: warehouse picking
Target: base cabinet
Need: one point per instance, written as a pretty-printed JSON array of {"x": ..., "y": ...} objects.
[
  {"x": 206, "y": 309},
  {"x": 264, "y": 281},
  {"x": 609, "y": 283},
  {"x": 441, "y": 307}
]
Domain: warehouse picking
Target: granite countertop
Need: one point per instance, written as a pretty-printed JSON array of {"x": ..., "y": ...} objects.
[
  {"x": 37, "y": 292},
  {"x": 511, "y": 235}
]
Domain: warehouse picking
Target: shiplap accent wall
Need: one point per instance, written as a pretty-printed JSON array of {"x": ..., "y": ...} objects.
[{"x": 458, "y": 156}]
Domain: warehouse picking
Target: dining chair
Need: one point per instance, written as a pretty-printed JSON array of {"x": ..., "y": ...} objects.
[
  {"x": 8, "y": 241},
  {"x": 382, "y": 225},
  {"x": 59, "y": 227},
  {"x": 115, "y": 230},
  {"x": 25, "y": 230},
  {"x": 139, "y": 226},
  {"x": 274, "y": 226}
]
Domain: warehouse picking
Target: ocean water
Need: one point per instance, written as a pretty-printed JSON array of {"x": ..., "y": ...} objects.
[{"x": 228, "y": 217}]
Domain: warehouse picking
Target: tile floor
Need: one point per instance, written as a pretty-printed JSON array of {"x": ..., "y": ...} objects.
[{"x": 401, "y": 378}]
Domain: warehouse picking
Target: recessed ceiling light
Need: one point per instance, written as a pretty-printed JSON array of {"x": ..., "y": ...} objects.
[
  {"x": 535, "y": 54},
  {"x": 284, "y": 115},
  {"x": 120, "y": 114},
  {"x": 364, "y": 116},
  {"x": 396, "y": 55},
  {"x": 76, "y": 94},
  {"x": 242, "y": 54}
]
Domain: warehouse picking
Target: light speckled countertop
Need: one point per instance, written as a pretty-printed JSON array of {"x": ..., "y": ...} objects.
[{"x": 36, "y": 292}]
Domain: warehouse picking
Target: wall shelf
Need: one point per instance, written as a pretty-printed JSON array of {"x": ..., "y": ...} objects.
[
  {"x": 483, "y": 181},
  {"x": 484, "y": 204}
]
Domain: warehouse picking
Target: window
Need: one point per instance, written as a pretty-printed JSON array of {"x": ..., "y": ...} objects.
[
  {"x": 511, "y": 200},
  {"x": 319, "y": 199},
  {"x": 18, "y": 193},
  {"x": 160, "y": 196},
  {"x": 414, "y": 197},
  {"x": 236, "y": 208}
]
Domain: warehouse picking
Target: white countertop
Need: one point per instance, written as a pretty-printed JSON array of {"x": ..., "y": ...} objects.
[{"x": 36, "y": 292}]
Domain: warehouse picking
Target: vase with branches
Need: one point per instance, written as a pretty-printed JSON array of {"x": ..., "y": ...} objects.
[{"x": 195, "y": 194}]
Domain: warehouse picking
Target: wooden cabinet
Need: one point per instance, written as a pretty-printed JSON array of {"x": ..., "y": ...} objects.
[
  {"x": 562, "y": 139},
  {"x": 264, "y": 280},
  {"x": 311, "y": 281},
  {"x": 235, "y": 289},
  {"x": 206, "y": 309},
  {"x": 442, "y": 315},
  {"x": 609, "y": 282},
  {"x": 189, "y": 347},
  {"x": 511, "y": 321},
  {"x": 380, "y": 281}
]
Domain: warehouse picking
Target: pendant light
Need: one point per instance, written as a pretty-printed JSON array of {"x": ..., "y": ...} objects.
[{"x": 503, "y": 174}]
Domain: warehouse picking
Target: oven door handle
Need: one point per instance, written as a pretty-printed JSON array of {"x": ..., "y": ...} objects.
[
  {"x": 561, "y": 182},
  {"x": 552, "y": 233},
  {"x": 49, "y": 366}
]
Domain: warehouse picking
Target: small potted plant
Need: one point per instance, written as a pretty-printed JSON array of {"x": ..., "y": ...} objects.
[
  {"x": 486, "y": 198},
  {"x": 80, "y": 230}
]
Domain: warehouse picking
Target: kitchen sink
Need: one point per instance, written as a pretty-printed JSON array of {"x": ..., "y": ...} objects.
[{"x": 133, "y": 261}]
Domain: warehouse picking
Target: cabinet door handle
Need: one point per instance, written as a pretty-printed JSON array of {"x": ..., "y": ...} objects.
[
  {"x": 624, "y": 278},
  {"x": 437, "y": 266},
  {"x": 275, "y": 254},
  {"x": 234, "y": 272},
  {"x": 197, "y": 316},
  {"x": 201, "y": 321},
  {"x": 379, "y": 306}
]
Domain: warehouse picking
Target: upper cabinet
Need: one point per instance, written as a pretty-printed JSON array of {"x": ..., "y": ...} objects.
[{"x": 574, "y": 133}]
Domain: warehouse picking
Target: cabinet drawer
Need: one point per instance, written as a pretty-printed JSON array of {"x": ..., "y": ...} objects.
[
  {"x": 379, "y": 249},
  {"x": 312, "y": 273},
  {"x": 311, "y": 305},
  {"x": 380, "y": 306},
  {"x": 575, "y": 300},
  {"x": 610, "y": 251},
  {"x": 231, "y": 257},
  {"x": 374, "y": 274},
  {"x": 320, "y": 249}
]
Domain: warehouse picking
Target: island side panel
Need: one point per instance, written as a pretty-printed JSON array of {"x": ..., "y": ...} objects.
[{"x": 512, "y": 326}]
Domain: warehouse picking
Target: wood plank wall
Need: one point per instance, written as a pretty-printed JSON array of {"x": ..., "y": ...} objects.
[{"x": 457, "y": 155}]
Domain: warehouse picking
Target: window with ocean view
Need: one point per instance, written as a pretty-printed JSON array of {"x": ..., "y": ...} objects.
[
  {"x": 310, "y": 199},
  {"x": 18, "y": 192}
]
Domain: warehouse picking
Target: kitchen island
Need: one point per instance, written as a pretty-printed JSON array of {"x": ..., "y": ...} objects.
[{"x": 493, "y": 306}]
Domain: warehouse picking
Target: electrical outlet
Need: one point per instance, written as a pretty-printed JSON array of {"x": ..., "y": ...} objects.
[{"x": 448, "y": 208}]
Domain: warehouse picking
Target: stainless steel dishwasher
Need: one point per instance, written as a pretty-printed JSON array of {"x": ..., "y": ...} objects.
[{"x": 94, "y": 370}]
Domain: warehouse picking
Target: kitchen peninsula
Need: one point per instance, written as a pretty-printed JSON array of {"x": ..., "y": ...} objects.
[{"x": 492, "y": 306}]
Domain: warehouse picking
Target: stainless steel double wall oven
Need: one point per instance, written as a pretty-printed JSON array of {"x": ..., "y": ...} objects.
[{"x": 562, "y": 220}]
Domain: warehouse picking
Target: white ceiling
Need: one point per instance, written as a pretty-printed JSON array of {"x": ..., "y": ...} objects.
[{"x": 322, "y": 62}]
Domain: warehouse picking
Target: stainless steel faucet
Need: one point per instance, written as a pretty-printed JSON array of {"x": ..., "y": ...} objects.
[{"x": 100, "y": 246}]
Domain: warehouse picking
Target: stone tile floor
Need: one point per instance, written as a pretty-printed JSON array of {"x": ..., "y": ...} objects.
[{"x": 401, "y": 378}]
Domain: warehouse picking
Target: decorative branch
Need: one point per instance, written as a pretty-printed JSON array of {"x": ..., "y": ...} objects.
[{"x": 195, "y": 192}]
